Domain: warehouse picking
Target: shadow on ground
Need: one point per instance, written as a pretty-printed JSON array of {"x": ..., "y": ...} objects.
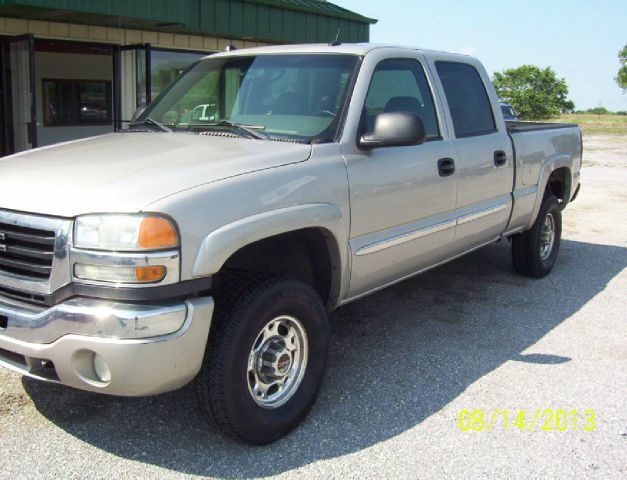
[{"x": 397, "y": 357}]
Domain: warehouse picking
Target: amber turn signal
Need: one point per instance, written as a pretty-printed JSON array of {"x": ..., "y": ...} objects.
[
  {"x": 150, "y": 274},
  {"x": 157, "y": 232}
]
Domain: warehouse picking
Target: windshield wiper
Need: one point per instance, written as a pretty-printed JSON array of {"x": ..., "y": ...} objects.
[
  {"x": 252, "y": 131},
  {"x": 152, "y": 121}
]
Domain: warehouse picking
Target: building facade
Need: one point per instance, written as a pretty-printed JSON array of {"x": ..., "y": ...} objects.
[{"x": 77, "y": 68}]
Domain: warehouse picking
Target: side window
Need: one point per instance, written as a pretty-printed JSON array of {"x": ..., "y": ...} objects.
[
  {"x": 467, "y": 99},
  {"x": 400, "y": 85}
]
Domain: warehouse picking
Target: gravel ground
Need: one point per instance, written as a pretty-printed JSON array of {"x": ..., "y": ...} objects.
[{"x": 404, "y": 363}]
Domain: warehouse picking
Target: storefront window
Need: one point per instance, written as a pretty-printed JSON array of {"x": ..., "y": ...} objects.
[
  {"x": 77, "y": 102},
  {"x": 165, "y": 66}
]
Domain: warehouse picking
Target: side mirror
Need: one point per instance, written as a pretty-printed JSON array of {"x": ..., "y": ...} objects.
[
  {"x": 137, "y": 113},
  {"x": 395, "y": 129}
]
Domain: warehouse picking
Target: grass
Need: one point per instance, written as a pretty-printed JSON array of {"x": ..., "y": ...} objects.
[{"x": 597, "y": 124}]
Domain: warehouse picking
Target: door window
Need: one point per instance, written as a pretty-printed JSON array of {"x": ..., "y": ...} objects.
[
  {"x": 467, "y": 99},
  {"x": 400, "y": 85}
]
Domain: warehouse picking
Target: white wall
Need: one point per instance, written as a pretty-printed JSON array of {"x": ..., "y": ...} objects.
[{"x": 69, "y": 66}]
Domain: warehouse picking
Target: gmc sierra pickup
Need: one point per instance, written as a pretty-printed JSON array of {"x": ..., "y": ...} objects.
[{"x": 263, "y": 189}]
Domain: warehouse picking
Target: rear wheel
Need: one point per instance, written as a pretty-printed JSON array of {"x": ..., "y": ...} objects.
[
  {"x": 534, "y": 252},
  {"x": 265, "y": 361}
]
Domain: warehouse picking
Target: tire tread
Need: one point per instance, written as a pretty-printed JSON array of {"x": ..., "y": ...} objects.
[
  {"x": 525, "y": 256},
  {"x": 210, "y": 387}
]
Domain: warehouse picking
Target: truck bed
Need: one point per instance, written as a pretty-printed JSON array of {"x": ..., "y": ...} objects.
[
  {"x": 515, "y": 126},
  {"x": 536, "y": 145}
]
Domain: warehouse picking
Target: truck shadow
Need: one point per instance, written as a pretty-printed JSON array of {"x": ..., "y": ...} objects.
[{"x": 397, "y": 357}]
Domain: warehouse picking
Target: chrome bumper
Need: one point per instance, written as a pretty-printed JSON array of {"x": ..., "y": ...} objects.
[
  {"x": 88, "y": 316},
  {"x": 148, "y": 348}
]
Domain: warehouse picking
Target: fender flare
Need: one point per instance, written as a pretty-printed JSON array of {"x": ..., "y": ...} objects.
[
  {"x": 216, "y": 248},
  {"x": 548, "y": 167}
]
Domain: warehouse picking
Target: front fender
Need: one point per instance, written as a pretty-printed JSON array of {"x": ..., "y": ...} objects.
[{"x": 220, "y": 244}]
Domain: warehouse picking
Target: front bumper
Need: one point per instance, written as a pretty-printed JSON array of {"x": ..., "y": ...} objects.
[{"x": 148, "y": 349}]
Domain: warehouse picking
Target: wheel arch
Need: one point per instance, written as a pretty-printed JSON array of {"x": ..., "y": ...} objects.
[
  {"x": 556, "y": 177},
  {"x": 287, "y": 241}
]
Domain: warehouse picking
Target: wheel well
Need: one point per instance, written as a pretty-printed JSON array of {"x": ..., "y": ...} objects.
[
  {"x": 559, "y": 184},
  {"x": 310, "y": 255}
]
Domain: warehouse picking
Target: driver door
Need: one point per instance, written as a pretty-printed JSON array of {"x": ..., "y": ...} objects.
[{"x": 402, "y": 205}]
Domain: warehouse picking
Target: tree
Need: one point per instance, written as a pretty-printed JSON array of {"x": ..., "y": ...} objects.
[
  {"x": 534, "y": 93},
  {"x": 621, "y": 78},
  {"x": 598, "y": 111}
]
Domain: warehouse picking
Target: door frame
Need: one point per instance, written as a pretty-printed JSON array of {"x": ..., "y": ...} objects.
[
  {"x": 8, "y": 140},
  {"x": 117, "y": 82}
]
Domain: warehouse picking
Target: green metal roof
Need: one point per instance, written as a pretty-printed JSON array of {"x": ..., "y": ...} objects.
[
  {"x": 283, "y": 21},
  {"x": 317, "y": 7}
]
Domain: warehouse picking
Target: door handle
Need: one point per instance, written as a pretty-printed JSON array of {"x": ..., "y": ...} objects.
[
  {"x": 446, "y": 167},
  {"x": 500, "y": 158}
]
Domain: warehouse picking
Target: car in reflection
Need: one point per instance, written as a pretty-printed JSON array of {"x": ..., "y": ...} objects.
[
  {"x": 93, "y": 111},
  {"x": 508, "y": 112}
]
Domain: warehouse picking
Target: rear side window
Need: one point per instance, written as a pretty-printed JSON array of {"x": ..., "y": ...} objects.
[
  {"x": 400, "y": 85},
  {"x": 467, "y": 99}
]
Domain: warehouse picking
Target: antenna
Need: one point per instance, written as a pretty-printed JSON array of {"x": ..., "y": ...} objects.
[{"x": 336, "y": 42}]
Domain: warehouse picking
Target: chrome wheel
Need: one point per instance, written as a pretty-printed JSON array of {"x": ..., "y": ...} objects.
[
  {"x": 547, "y": 236},
  {"x": 277, "y": 362}
]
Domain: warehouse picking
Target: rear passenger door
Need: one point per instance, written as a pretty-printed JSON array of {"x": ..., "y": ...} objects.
[{"x": 483, "y": 152}]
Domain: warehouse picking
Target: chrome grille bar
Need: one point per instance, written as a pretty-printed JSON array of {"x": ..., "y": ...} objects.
[
  {"x": 26, "y": 251},
  {"x": 33, "y": 253}
]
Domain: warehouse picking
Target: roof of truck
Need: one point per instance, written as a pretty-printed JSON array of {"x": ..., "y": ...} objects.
[{"x": 345, "y": 48}]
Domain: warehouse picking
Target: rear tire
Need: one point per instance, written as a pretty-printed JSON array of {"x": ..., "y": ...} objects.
[
  {"x": 534, "y": 252},
  {"x": 265, "y": 361}
]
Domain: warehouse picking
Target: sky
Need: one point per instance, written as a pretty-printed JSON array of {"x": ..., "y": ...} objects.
[{"x": 579, "y": 39}]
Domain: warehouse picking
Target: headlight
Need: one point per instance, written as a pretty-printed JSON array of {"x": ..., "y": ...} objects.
[{"x": 124, "y": 233}]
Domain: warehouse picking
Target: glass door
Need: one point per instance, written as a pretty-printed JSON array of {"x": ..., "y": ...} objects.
[
  {"x": 19, "y": 130},
  {"x": 133, "y": 81}
]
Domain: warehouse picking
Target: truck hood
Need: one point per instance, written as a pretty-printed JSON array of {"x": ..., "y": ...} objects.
[{"x": 125, "y": 172}]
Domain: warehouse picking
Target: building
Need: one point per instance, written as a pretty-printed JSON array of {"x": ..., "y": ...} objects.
[{"x": 77, "y": 68}]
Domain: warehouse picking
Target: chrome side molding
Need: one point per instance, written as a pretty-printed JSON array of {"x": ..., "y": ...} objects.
[
  {"x": 406, "y": 237},
  {"x": 423, "y": 232},
  {"x": 481, "y": 213}
]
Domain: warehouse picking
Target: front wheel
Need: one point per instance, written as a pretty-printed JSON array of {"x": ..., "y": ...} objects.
[
  {"x": 265, "y": 361},
  {"x": 534, "y": 252}
]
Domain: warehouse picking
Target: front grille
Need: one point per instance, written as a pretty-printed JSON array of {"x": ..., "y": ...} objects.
[
  {"x": 25, "y": 296},
  {"x": 26, "y": 251}
]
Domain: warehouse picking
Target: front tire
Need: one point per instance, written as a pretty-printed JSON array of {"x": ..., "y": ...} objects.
[
  {"x": 265, "y": 361},
  {"x": 534, "y": 252}
]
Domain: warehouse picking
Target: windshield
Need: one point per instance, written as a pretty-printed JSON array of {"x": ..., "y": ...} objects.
[{"x": 284, "y": 96}]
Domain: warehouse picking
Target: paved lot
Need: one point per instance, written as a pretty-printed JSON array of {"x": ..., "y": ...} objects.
[{"x": 404, "y": 363}]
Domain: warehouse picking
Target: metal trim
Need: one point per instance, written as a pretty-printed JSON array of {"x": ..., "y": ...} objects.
[
  {"x": 93, "y": 317},
  {"x": 417, "y": 272},
  {"x": 169, "y": 259},
  {"x": 423, "y": 232},
  {"x": 525, "y": 191},
  {"x": 60, "y": 273},
  {"x": 480, "y": 214},
  {"x": 404, "y": 238}
]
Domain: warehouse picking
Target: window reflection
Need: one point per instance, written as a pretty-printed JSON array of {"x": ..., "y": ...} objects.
[
  {"x": 77, "y": 102},
  {"x": 165, "y": 66}
]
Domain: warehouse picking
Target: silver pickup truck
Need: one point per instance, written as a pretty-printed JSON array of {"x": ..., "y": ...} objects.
[{"x": 210, "y": 248}]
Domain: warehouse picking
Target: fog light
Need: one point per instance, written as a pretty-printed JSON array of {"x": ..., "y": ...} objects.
[
  {"x": 102, "y": 369},
  {"x": 102, "y": 273}
]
